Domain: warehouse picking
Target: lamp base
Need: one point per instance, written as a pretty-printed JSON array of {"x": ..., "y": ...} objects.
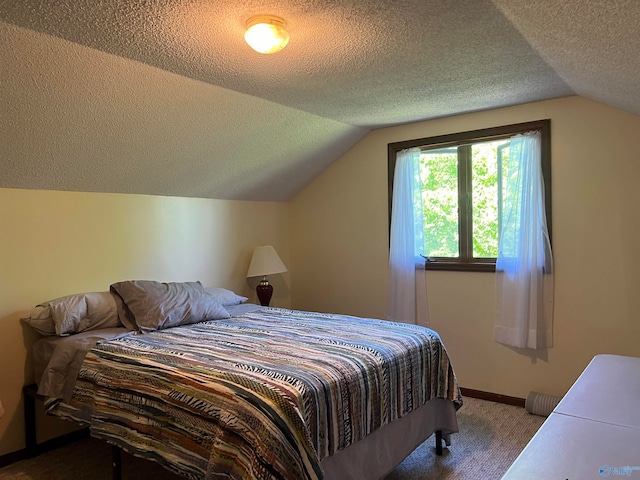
[{"x": 264, "y": 291}]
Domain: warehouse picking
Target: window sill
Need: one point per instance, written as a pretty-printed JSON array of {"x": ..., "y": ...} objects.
[{"x": 460, "y": 266}]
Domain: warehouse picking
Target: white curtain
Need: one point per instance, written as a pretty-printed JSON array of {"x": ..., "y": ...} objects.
[
  {"x": 524, "y": 268},
  {"x": 407, "y": 299}
]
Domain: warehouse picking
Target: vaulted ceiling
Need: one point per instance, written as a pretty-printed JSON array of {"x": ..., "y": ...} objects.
[{"x": 164, "y": 97}]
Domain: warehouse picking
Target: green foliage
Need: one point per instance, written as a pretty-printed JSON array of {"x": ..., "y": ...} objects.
[{"x": 439, "y": 172}]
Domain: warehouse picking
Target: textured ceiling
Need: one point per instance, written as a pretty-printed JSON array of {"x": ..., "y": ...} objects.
[{"x": 164, "y": 97}]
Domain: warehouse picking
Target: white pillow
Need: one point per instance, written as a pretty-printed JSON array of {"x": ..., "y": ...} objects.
[{"x": 225, "y": 297}]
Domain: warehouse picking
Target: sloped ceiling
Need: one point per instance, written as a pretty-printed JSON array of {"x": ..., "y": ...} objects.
[{"x": 164, "y": 97}]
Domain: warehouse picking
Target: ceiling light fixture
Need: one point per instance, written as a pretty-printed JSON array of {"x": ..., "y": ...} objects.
[{"x": 266, "y": 33}]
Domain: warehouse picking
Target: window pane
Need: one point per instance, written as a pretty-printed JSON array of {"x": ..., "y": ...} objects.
[
  {"x": 439, "y": 172},
  {"x": 485, "y": 158}
]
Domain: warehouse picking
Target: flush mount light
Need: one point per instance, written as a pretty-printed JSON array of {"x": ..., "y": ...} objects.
[{"x": 266, "y": 33}]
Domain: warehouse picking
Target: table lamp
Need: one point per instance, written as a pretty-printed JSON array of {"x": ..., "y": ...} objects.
[{"x": 265, "y": 261}]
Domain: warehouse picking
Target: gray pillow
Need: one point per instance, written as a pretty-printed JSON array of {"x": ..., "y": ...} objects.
[
  {"x": 148, "y": 305},
  {"x": 41, "y": 319},
  {"x": 225, "y": 297},
  {"x": 74, "y": 314}
]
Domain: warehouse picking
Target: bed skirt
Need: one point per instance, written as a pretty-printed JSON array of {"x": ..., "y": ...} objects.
[{"x": 376, "y": 455}]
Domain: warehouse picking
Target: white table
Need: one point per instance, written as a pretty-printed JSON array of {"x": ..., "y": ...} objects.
[
  {"x": 594, "y": 432},
  {"x": 607, "y": 391}
]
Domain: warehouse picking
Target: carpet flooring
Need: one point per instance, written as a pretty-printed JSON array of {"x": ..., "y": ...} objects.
[{"x": 491, "y": 437}]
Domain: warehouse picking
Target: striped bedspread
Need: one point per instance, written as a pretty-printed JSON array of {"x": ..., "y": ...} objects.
[{"x": 263, "y": 396}]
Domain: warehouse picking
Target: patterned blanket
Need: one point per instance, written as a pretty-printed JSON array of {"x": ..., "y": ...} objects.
[{"x": 263, "y": 396}]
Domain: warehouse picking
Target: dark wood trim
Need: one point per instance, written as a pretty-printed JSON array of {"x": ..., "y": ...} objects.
[
  {"x": 475, "y": 266},
  {"x": 460, "y": 138},
  {"x": 46, "y": 446},
  {"x": 32, "y": 448},
  {"x": 391, "y": 169},
  {"x": 493, "y": 397},
  {"x": 464, "y": 204},
  {"x": 545, "y": 146}
]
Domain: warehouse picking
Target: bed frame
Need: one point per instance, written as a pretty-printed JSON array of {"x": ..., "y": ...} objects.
[{"x": 30, "y": 395}]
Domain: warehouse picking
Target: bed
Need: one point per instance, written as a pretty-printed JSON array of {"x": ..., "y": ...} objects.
[{"x": 256, "y": 393}]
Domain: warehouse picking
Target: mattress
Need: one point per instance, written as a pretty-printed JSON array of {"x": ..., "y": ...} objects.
[{"x": 57, "y": 360}]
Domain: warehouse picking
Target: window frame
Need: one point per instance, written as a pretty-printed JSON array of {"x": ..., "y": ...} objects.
[{"x": 466, "y": 263}]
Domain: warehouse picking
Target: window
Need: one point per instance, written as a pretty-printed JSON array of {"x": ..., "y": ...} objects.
[{"x": 462, "y": 185}]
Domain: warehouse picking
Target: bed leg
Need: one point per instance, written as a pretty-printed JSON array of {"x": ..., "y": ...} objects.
[
  {"x": 438, "y": 442},
  {"x": 116, "y": 462},
  {"x": 30, "y": 393}
]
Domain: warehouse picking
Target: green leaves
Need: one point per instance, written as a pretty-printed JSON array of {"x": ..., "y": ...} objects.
[{"x": 442, "y": 171}]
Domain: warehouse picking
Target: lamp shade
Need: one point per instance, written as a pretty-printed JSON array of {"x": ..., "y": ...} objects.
[{"x": 265, "y": 261}]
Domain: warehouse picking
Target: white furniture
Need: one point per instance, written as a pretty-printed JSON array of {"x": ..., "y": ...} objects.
[{"x": 594, "y": 432}]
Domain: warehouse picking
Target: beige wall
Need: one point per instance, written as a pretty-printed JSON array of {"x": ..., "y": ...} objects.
[
  {"x": 58, "y": 243},
  {"x": 334, "y": 238},
  {"x": 339, "y": 242}
]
